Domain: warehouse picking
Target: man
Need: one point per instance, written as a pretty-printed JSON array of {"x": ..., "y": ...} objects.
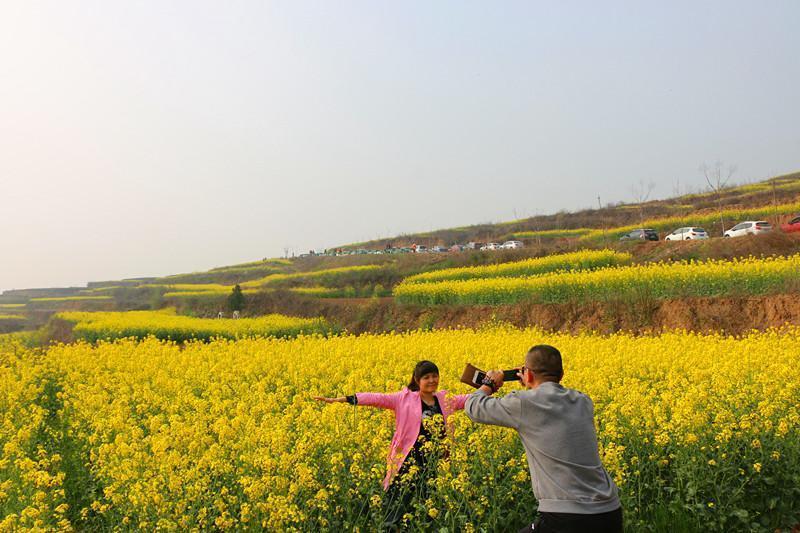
[{"x": 556, "y": 425}]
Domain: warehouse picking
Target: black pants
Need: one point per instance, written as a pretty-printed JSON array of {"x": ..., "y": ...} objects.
[
  {"x": 404, "y": 489},
  {"x": 610, "y": 522}
]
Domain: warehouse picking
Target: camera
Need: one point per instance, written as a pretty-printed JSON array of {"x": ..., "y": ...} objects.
[{"x": 474, "y": 376}]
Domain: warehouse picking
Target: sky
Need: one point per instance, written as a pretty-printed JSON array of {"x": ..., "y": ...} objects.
[{"x": 151, "y": 138}]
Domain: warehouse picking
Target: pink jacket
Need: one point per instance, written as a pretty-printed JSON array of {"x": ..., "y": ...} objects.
[{"x": 408, "y": 418}]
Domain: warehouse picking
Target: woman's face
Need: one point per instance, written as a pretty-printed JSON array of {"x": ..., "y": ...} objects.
[{"x": 429, "y": 382}]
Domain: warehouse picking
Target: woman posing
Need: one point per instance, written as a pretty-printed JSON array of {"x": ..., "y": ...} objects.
[{"x": 421, "y": 413}]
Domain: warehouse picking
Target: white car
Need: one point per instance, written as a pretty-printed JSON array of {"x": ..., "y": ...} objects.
[
  {"x": 687, "y": 234},
  {"x": 749, "y": 227},
  {"x": 490, "y": 246},
  {"x": 421, "y": 249},
  {"x": 512, "y": 245}
]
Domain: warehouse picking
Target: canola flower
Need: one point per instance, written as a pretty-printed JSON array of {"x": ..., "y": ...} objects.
[
  {"x": 749, "y": 276},
  {"x": 94, "y": 326},
  {"x": 71, "y": 299},
  {"x": 277, "y": 262},
  {"x": 210, "y": 293},
  {"x": 342, "y": 292},
  {"x": 100, "y": 290},
  {"x": 548, "y": 234},
  {"x": 320, "y": 292},
  {"x": 701, "y": 432},
  {"x": 191, "y": 287},
  {"x": 263, "y": 268},
  {"x": 316, "y": 292},
  {"x": 328, "y": 276},
  {"x": 32, "y": 494},
  {"x": 581, "y": 260}
]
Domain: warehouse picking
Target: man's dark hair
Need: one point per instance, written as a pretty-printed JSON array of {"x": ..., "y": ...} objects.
[{"x": 545, "y": 360}]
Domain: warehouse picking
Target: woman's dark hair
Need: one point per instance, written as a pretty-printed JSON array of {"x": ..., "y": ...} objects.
[{"x": 422, "y": 368}]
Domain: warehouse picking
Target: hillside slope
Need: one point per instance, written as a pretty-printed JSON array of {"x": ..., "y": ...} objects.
[{"x": 774, "y": 191}]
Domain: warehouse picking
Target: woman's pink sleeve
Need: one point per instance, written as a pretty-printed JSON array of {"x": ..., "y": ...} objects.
[
  {"x": 376, "y": 399},
  {"x": 459, "y": 401}
]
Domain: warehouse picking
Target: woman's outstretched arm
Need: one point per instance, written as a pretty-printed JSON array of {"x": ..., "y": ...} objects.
[
  {"x": 371, "y": 399},
  {"x": 340, "y": 399},
  {"x": 377, "y": 399}
]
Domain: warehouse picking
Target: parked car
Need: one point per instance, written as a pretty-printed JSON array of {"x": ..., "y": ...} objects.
[
  {"x": 642, "y": 234},
  {"x": 420, "y": 248},
  {"x": 791, "y": 226},
  {"x": 490, "y": 246},
  {"x": 457, "y": 248},
  {"x": 687, "y": 234},
  {"x": 439, "y": 249},
  {"x": 749, "y": 227},
  {"x": 474, "y": 245},
  {"x": 512, "y": 245}
]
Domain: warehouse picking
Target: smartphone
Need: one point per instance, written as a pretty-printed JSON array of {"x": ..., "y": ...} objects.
[{"x": 508, "y": 375}]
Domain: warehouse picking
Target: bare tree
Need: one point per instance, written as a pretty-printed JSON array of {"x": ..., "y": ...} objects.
[
  {"x": 602, "y": 220},
  {"x": 676, "y": 188},
  {"x": 717, "y": 177},
  {"x": 641, "y": 193}
]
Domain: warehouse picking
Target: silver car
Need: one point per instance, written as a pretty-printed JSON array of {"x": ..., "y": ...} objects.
[
  {"x": 687, "y": 234},
  {"x": 749, "y": 227}
]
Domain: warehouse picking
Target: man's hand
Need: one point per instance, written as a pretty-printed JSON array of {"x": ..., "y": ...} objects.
[{"x": 497, "y": 377}]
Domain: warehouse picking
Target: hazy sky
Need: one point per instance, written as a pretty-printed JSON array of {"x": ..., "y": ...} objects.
[{"x": 148, "y": 138}]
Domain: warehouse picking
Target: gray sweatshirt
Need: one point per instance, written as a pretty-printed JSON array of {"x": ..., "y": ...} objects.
[{"x": 556, "y": 425}]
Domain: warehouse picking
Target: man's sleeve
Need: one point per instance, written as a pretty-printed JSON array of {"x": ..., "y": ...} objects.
[{"x": 505, "y": 411}]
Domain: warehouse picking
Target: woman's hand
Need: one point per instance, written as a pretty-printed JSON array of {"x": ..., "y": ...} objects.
[{"x": 341, "y": 399}]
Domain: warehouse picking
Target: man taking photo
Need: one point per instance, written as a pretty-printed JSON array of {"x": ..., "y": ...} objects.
[{"x": 556, "y": 425}]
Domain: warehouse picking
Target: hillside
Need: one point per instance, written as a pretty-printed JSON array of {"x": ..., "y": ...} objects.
[
  {"x": 774, "y": 191},
  {"x": 355, "y": 290}
]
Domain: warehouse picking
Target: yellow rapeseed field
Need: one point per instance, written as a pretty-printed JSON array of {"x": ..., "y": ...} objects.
[
  {"x": 166, "y": 324},
  {"x": 208, "y": 293},
  {"x": 548, "y": 234},
  {"x": 580, "y": 260},
  {"x": 192, "y": 287},
  {"x": 71, "y": 299},
  {"x": 701, "y": 432},
  {"x": 747, "y": 276},
  {"x": 327, "y": 276}
]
